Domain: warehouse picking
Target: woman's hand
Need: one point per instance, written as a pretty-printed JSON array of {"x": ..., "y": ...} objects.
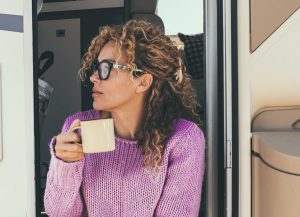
[{"x": 67, "y": 146}]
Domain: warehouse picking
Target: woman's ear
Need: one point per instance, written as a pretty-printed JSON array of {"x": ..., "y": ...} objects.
[{"x": 144, "y": 82}]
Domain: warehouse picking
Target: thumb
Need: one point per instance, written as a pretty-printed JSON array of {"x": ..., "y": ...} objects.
[{"x": 75, "y": 124}]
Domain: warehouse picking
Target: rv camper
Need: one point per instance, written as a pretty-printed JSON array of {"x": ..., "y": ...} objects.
[{"x": 244, "y": 62}]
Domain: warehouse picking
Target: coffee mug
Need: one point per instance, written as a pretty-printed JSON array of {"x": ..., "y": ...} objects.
[{"x": 97, "y": 135}]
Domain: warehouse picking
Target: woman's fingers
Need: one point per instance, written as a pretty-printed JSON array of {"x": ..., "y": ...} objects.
[
  {"x": 69, "y": 152},
  {"x": 69, "y": 137},
  {"x": 67, "y": 147},
  {"x": 69, "y": 156}
]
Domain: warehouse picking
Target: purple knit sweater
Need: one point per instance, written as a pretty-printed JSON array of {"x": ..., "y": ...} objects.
[{"x": 115, "y": 184}]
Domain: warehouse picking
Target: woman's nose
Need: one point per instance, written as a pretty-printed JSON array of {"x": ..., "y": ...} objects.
[{"x": 95, "y": 78}]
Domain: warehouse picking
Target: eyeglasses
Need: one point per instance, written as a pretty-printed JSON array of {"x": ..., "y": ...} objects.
[{"x": 105, "y": 66}]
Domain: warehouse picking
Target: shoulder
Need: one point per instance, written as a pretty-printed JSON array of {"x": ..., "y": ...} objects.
[
  {"x": 183, "y": 128},
  {"x": 186, "y": 135},
  {"x": 82, "y": 115}
]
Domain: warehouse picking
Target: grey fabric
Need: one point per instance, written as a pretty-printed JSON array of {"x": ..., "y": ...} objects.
[
  {"x": 151, "y": 18},
  {"x": 143, "y": 6}
]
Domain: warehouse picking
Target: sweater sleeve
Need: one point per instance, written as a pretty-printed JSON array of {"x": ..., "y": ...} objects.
[
  {"x": 62, "y": 194},
  {"x": 181, "y": 195}
]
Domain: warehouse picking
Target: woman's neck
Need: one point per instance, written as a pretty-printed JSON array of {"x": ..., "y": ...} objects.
[{"x": 127, "y": 122}]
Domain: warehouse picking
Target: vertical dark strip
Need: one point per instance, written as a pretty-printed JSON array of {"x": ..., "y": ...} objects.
[
  {"x": 221, "y": 151},
  {"x": 235, "y": 111},
  {"x": 36, "y": 108},
  {"x": 13, "y": 23},
  {"x": 126, "y": 10}
]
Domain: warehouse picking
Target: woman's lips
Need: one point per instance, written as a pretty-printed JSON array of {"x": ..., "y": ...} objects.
[{"x": 96, "y": 93}]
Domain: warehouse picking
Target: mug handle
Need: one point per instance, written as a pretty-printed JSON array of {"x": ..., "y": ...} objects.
[{"x": 73, "y": 129}]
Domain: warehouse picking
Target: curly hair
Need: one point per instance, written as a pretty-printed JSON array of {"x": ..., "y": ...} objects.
[{"x": 171, "y": 95}]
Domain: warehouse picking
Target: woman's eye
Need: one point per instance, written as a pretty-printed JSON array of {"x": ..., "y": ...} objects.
[{"x": 104, "y": 70}]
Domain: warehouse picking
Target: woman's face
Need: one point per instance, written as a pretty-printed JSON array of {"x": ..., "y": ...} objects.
[{"x": 118, "y": 91}]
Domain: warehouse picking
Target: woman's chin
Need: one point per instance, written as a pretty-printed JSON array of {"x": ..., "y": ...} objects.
[{"x": 98, "y": 107}]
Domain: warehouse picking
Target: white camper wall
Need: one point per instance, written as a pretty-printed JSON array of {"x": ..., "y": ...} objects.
[
  {"x": 12, "y": 167},
  {"x": 11, "y": 7},
  {"x": 275, "y": 76},
  {"x": 267, "y": 77},
  {"x": 17, "y": 166}
]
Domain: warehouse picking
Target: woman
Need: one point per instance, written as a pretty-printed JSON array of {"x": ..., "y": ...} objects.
[{"x": 157, "y": 167}]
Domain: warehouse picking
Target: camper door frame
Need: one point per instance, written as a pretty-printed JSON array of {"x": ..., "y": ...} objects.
[{"x": 222, "y": 108}]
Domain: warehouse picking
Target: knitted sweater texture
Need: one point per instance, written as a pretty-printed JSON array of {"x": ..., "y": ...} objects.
[{"x": 115, "y": 184}]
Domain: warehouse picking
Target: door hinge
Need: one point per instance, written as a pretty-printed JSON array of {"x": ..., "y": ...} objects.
[{"x": 228, "y": 155}]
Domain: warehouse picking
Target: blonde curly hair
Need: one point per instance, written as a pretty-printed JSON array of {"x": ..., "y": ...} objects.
[{"x": 170, "y": 96}]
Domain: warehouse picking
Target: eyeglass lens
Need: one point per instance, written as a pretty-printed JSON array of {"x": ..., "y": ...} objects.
[{"x": 104, "y": 70}]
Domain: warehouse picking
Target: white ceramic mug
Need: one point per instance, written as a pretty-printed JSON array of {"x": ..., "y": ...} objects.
[{"x": 97, "y": 135}]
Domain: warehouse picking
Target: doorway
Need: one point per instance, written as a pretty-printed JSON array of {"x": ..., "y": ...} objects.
[{"x": 63, "y": 35}]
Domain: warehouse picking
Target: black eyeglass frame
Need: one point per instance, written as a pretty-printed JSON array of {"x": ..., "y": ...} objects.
[{"x": 96, "y": 66}]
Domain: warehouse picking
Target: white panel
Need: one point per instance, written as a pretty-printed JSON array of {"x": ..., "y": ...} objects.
[
  {"x": 275, "y": 74},
  {"x": 244, "y": 71},
  {"x": 11, "y": 7},
  {"x": 1, "y": 141},
  {"x": 29, "y": 113},
  {"x": 13, "y": 166},
  {"x": 17, "y": 197}
]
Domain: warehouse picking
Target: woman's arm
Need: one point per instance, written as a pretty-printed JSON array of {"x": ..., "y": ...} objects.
[
  {"x": 62, "y": 194},
  {"x": 182, "y": 189}
]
